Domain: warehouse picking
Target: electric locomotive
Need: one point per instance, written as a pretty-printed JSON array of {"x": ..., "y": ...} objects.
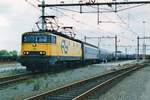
[{"x": 44, "y": 50}]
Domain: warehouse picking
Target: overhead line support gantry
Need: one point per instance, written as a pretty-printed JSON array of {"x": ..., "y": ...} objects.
[
  {"x": 81, "y": 5},
  {"x": 101, "y": 3}
]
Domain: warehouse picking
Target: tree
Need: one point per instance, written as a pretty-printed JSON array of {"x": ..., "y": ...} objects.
[
  {"x": 13, "y": 53},
  {"x": 4, "y": 53}
]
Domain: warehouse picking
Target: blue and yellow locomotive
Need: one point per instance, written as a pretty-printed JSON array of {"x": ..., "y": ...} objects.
[{"x": 49, "y": 49}]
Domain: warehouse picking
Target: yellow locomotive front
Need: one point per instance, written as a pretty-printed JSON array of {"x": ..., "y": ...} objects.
[
  {"x": 45, "y": 50},
  {"x": 34, "y": 44},
  {"x": 35, "y": 50}
]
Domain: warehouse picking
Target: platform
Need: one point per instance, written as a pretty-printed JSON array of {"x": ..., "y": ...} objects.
[{"x": 134, "y": 87}]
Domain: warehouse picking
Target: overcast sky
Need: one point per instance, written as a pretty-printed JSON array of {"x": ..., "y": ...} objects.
[{"x": 18, "y": 16}]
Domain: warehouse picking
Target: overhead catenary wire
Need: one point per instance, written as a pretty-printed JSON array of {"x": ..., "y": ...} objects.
[
  {"x": 57, "y": 8},
  {"x": 101, "y": 29},
  {"x": 121, "y": 20},
  {"x": 33, "y": 5},
  {"x": 128, "y": 28},
  {"x": 129, "y": 7},
  {"x": 126, "y": 25},
  {"x": 78, "y": 21},
  {"x": 124, "y": 21}
]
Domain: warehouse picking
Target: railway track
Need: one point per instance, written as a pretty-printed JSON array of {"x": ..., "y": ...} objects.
[
  {"x": 82, "y": 89},
  {"x": 15, "y": 78}
]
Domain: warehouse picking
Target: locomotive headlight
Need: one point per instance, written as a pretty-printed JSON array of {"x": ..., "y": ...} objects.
[
  {"x": 41, "y": 52},
  {"x": 24, "y": 52},
  {"x": 27, "y": 52}
]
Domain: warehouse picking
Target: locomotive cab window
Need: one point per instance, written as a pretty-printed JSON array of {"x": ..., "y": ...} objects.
[
  {"x": 35, "y": 38},
  {"x": 41, "y": 38},
  {"x": 52, "y": 39},
  {"x": 28, "y": 38}
]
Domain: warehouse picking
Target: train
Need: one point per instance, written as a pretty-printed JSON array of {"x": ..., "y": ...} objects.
[{"x": 45, "y": 50}]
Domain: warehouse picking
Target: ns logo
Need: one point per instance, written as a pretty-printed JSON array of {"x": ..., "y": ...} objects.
[{"x": 64, "y": 47}]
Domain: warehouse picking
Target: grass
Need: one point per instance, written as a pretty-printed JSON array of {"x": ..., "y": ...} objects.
[{"x": 9, "y": 62}]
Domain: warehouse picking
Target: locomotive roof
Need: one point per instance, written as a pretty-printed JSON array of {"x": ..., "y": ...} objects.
[
  {"x": 60, "y": 34},
  {"x": 53, "y": 32}
]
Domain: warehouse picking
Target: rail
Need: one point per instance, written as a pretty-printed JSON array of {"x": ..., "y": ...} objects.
[
  {"x": 81, "y": 89},
  {"x": 15, "y": 78}
]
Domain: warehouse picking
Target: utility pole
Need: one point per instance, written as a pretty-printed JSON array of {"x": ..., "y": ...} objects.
[
  {"x": 99, "y": 43},
  {"x": 43, "y": 15},
  {"x": 99, "y": 46},
  {"x": 144, "y": 46},
  {"x": 126, "y": 51},
  {"x": 84, "y": 38},
  {"x": 116, "y": 48},
  {"x": 137, "y": 56},
  {"x": 98, "y": 14}
]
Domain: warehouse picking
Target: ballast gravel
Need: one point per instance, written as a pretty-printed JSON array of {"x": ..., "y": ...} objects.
[{"x": 52, "y": 81}]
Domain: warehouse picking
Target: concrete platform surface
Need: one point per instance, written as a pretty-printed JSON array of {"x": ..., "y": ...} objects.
[{"x": 134, "y": 87}]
